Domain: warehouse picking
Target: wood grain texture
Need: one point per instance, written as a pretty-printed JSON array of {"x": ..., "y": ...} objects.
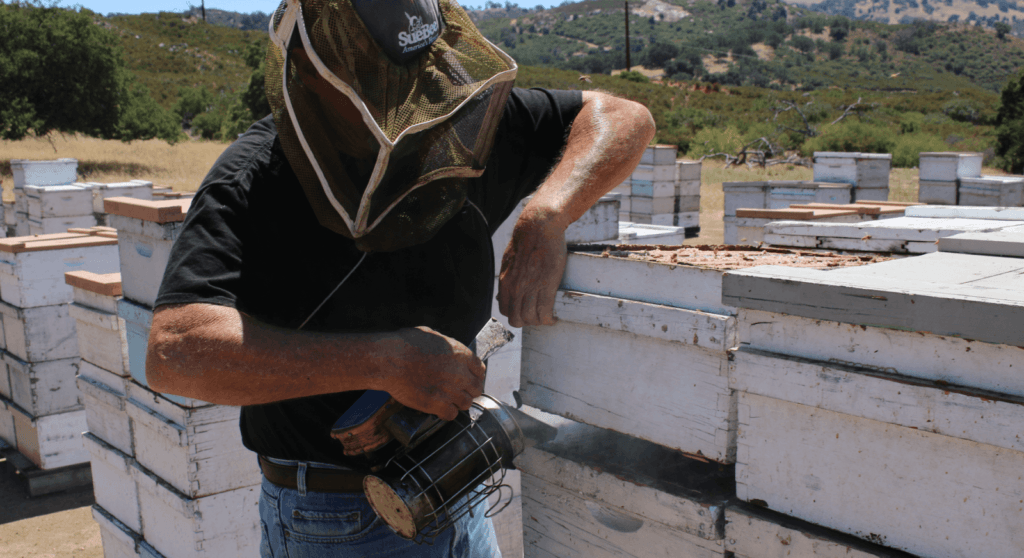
[
  {"x": 924, "y": 493},
  {"x": 969, "y": 414},
  {"x": 107, "y": 284},
  {"x": 52, "y": 441},
  {"x": 666, "y": 392},
  {"x": 918, "y": 294},
  {"x": 39, "y": 334},
  {"x": 936, "y": 358},
  {"x": 160, "y": 211}
]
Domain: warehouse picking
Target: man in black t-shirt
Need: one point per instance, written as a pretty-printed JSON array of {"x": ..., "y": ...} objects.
[{"x": 330, "y": 251}]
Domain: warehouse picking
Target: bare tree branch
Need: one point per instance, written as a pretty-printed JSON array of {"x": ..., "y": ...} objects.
[{"x": 846, "y": 112}]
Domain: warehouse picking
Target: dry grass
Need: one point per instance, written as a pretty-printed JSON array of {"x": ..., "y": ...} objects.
[
  {"x": 181, "y": 166},
  {"x": 184, "y": 165}
]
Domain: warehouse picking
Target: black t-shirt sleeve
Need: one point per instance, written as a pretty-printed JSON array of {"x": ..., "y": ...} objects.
[
  {"x": 206, "y": 260},
  {"x": 529, "y": 142}
]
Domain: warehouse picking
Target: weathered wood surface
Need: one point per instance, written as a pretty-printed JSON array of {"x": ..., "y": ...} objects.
[
  {"x": 558, "y": 523},
  {"x": 197, "y": 451},
  {"x": 215, "y": 526},
  {"x": 916, "y": 229},
  {"x": 158, "y": 211},
  {"x": 926, "y": 356},
  {"x": 652, "y": 206},
  {"x": 673, "y": 394},
  {"x": 660, "y": 154},
  {"x": 689, "y": 187},
  {"x": 600, "y": 222},
  {"x": 138, "y": 189},
  {"x": 663, "y": 172},
  {"x": 633, "y": 476},
  {"x": 950, "y": 212},
  {"x": 753, "y": 532},
  {"x": 638, "y": 233},
  {"x": 7, "y": 434},
  {"x": 1006, "y": 242},
  {"x": 104, "y": 284},
  {"x": 54, "y": 225},
  {"x": 68, "y": 200},
  {"x": 53, "y": 441},
  {"x": 688, "y": 170},
  {"x": 678, "y": 286},
  {"x": 738, "y": 195},
  {"x": 935, "y": 192},
  {"x": 44, "y": 173},
  {"x": 928, "y": 406},
  {"x": 921, "y": 492},
  {"x": 39, "y": 334},
  {"x": 949, "y": 165},
  {"x": 713, "y": 332},
  {"x": 43, "y": 388},
  {"x": 104, "y": 395},
  {"x": 36, "y": 278},
  {"x": 992, "y": 191},
  {"x": 920, "y": 294},
  {"x": 685, "y": 219},
  {"x": 113, "y": 482},
  {"x": 143, "y": 260},
  {"x": 119, "y": 541},
  {"x": 101, "y": 338}
]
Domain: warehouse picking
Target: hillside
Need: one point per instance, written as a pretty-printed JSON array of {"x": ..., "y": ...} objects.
[
  {"x": 985, "y": 12},
  {"x": 763, "y": 43}
]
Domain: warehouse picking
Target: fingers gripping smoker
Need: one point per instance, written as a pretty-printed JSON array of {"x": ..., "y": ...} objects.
[{"x": 440, "y": 470}]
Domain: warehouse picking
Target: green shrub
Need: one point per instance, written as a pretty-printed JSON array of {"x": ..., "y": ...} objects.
[
  {"x": 208, "y": 125},
  {"x": 908, "y": 147},
  {"x": 142, "y": 118},
  {"x": 715, "y": 140},
  {"x": 634, "y": 76},
  {"x": 852, "y": 136}
]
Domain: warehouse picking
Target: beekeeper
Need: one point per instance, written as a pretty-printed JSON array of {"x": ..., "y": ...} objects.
[{"x": 344, "y": 244}]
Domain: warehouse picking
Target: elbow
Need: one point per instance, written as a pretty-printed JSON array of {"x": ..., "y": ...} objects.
[
  {"x": 643, "y": 126},
  {"x": 165, "y": 359},
  {"x": 178, "y": 355}
]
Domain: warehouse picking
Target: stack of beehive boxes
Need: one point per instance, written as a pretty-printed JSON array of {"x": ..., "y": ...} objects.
[
  {"x": 886, "y": 401},
  {"x": 743, "y": 227},
  {"x": 41, "y": 355},
  {"x": 138, "y": 189},
  {"x": 36, "y": 173},
  {"x": 664, "y": 192},
  {"x": 198, "y": 487},
  {"x": 641, "y": 348},
  {"x": 55, "y": 209},
  {"x": 868, "y": 173},
  {"x": 939, "y": 175}
]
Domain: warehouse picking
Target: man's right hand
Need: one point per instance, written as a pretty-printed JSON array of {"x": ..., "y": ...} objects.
[{"x": 434, "y": 373}]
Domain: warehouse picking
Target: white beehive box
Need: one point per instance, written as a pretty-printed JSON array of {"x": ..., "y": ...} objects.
[
  {"x": 39, "y": 334},
  {"x": 101, "y": 332},
  {"x": 747, "y": 227},
  {"x": 597, "y": 493},
  {"x": 902, "y": 235},
  {"x": 688, "y": 170},
  {"x": 55, "y": 225},
  {"x": 198, "y": 451},
  {"x": 636, "y": 233},
  {"x": 113, "y": 482},
  {"x": 44, "y": 173},
  {"x": 138, "y": 189},
  {"x": 653, "y": 189},
  {"x": 685, "y": 220},
  {"x": 32, "y": 268},
  {"x": 782, "y": 194},
  {"x": 862, "y": 170},
  {"x": 1005, "y": 242},
  {"x": 677, "y": 394},
  {"x": 659, "y": 155},
  {"x": 654, "y": 206},
  {"x": 43, "y": 388},
  {"x": 215, "y": 526},
  {"x": 600, "y": 222},
  {"x": 119, "y": 541},
  {"x": 146, "y": 232},
  {"x": 754, "y": 532},
  {"x": 104, "y": 396},
  {"x": 689, "y": 187},
  {"x": 52, "y": 441},
  {"x": 69, "y": 200},
  {"x": 938, "y": 192},
  {"x": 949, "y": 166},
  {"x": 94, "y": 290},
  {"x": 987, "y": 213},
  {"x": 996, "y": 191},
  {"x": 749, "y": 195},
  {"x": 923, "y": 467},
  {"x": 656, "y": 173}
]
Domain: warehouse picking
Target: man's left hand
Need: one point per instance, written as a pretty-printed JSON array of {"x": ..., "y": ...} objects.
[{"x": 531, "y": 270}]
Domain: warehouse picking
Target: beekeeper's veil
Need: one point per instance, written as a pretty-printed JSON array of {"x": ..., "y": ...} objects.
[{"x": 384, "y": 109}]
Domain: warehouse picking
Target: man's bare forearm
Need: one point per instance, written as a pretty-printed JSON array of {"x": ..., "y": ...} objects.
[
  {"x": 608, "y": 138},
  {"x": 217, "y": 354}
]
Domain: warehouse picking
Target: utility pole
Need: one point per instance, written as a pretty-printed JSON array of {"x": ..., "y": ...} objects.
[
  {"x": 203, "y": 4},
  {"x": 627, "y": 35}
]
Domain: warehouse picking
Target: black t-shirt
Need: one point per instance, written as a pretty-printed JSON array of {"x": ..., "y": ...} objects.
[{"x": 251, "y": 241}]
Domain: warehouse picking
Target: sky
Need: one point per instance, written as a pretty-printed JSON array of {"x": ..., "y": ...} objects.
[{"x": 245, "y": 6}]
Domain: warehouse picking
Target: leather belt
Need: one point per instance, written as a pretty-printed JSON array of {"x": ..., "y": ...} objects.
[{"x": 317, "y": 479}]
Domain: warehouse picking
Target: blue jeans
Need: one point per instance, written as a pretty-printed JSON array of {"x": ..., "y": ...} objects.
[{"x": 329, "y": 525}]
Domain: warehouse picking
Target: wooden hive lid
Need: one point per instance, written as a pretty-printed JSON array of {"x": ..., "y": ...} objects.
[
  {"x": 862, "y": 209},
  {"x": 106, "y": 232},
  {"x": 108, "y": 284},
  {"x": 56, "y": 241},
  {"x": 892, "y": 203},
  {"x": 156, "y": 211},
  {"x": 793, "y": 214}
]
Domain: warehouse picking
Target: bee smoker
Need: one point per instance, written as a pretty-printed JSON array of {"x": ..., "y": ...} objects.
[{"x": 421, "y": 492}]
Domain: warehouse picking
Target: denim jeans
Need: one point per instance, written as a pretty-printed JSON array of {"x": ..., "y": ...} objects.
[{"x": 343, "y": 525}]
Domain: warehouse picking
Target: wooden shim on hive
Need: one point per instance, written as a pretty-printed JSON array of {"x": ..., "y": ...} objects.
[
  {"x": 1005, "y": 242},
  {"x": 108, "y": 284},
  {"x": 163, "y": 211},
  {"x": 58, "y": 241},
  {"x": 919, "y": 294},
  {"x": 893, "y": 203},
  {"x": 793, "y": 214}
]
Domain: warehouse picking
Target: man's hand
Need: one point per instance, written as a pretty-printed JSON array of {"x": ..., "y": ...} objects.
[
  {"x": 531, "y": 270},
  {"x": 434, "y": 373}
]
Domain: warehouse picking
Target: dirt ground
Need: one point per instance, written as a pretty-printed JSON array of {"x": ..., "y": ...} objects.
[{"x": 51, "y": 526}]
